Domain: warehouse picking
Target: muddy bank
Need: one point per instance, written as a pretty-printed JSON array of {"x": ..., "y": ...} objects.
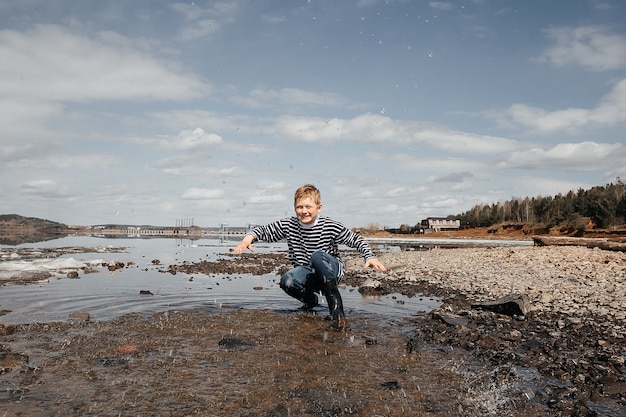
[
  {"x": 565, "y": 357},
  {"x": 238, "y": 363}
]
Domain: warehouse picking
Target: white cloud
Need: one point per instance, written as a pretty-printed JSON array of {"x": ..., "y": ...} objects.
[
  {"x": 88, "y": 162},
  {"x": 432, "y": 164},
  {"x": 203, "y": 22},
  {"x": 373, "y": 128},
  {"x": 26, "y": 119},
  {"x": 202, "y": 194},
  {"x": 440, "y": 5},
  {"x": 584, "y": 156},
  {"x": 186, "y": 140},
  {"x": 267, "y": 198},
  {"x": 592, "y": 47},
  {"x": 195, "y": 139},
  {"x": 43, "y": 188},
  {"x": 51, "y": 63},
  {"x": 610, "y": 111},
  {"x": 14, "y": 154},
  {"x": 200, "y": 29}
]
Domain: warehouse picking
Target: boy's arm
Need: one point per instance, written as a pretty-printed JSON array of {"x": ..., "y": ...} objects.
[
  {"x": 272, "y": 232},
  {"x": 356, "y": 241}
]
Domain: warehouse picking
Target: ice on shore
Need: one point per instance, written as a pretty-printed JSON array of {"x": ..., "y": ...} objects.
[{"x": 16, "y": 268}]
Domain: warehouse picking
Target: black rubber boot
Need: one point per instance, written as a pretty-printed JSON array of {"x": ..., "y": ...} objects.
[
  {"x": 309, "y": 298},
  {"x": 335, "y": 304}
]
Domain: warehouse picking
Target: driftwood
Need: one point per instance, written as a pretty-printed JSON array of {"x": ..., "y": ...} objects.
[{"x": 602, "y": 243}]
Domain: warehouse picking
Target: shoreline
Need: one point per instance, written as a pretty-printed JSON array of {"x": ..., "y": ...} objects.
[{"x": 572, "y": 337}]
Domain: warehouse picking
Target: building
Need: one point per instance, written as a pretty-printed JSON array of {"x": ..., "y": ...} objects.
[{"x": 440, "y": 224}]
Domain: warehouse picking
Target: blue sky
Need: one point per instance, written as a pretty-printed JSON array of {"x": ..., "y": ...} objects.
[{"x": 146, "y": 112}]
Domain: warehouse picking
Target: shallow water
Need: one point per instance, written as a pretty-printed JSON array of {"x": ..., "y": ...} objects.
[
  {"x": 233, "y": 345},
  {"x": 105, "y": 295}
]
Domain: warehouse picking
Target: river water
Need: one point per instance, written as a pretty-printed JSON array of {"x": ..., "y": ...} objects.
[{"x": 106, "y": 295}]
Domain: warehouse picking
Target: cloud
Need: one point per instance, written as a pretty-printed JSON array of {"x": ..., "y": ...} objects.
[
  {"x": 200, "y": 29},
  {"x": 51, "y": 63},
  {"x": 378, "y": 129},
  {"x": 87, "y": 161},
  {"x": 25, "y": 119},
  {"x": 202, "y": 194},
  {"x": 454, "y": 177},
  {"x": 196, "y": 139},
  {"x": 288, "y": 97},
  {"x": 14, "y": 154},
  {"x": 592, "y": 47},
  {"x": 267, "y": 198},
  {"x": 440, "y": 5},
  {"x": 203, "y": 22},
  {"x": 584, "y": 156},
  {"x": 186, "y": 140},
  {"x": 610, "y": 111},
  {"x": 43, "y": 188}
]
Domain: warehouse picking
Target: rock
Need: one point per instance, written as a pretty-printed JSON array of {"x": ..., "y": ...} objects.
[
  {"x": 115, "y": 265},
  {"x": 10, "y": 361},
  {"x": 450, "y": 318},
  {"x": 546, "y": 298},
  {"x": 233, "y": 343},
  {"x": 614, "y": 388},
  {"x": 6, "y": 330},
  {"x": 79, "y": 317},
  {"x": 371, "y": 287},
  {"x": 512, "y": 305},
  {"x": 72, "y": 274},
  {"x": 390, "y": 385}
]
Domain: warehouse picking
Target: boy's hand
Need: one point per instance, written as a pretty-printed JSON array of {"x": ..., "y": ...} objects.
[
  {"x": 373, "y": 262},
  {"x": 246, "y": 243}
]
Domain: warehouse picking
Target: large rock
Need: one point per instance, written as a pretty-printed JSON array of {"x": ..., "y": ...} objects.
[{"x": 512, "y": 305}]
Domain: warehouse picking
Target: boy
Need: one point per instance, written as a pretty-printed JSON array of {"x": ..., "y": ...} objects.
[{"x": 313, "y": 242}]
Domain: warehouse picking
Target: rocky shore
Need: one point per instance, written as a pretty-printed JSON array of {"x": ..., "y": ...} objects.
[{"x": 573, "y": 330}]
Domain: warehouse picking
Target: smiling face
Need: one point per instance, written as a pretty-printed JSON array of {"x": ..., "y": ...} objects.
[{"x": 306, "y": 210}]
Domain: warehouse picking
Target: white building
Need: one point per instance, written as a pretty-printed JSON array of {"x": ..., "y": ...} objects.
[{"x": 440, "y": 224}]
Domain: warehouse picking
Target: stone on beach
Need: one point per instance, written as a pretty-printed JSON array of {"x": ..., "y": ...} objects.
[{"x": 512, "y": 305}]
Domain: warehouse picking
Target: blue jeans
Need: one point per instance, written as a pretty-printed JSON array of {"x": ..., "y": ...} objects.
[{"x": 300, "y": 279}]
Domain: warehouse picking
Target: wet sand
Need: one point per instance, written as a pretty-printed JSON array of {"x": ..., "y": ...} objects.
[{"x": 565, "y": 357}]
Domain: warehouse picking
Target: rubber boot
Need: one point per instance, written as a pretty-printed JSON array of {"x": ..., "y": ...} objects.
[
  {"x": 309, "y": 298},
  {"x": 335, "y": 304}
]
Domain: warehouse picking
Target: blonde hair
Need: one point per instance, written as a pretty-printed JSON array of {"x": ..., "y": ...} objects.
[{"x": 308, "y": 190}]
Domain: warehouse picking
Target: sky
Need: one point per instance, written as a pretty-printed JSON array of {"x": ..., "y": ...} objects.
[{"x": 157, "y": 112}]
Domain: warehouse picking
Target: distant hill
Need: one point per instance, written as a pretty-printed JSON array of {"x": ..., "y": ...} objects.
[
  {"x": 16, "y": 229},
  {"x": 15, "y": 220}
]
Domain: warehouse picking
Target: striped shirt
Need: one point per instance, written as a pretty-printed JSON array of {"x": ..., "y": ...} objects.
[{"x": 325, "y": 235}]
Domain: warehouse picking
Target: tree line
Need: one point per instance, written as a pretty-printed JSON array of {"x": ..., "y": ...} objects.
[{"x": 599, "y": 207}]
